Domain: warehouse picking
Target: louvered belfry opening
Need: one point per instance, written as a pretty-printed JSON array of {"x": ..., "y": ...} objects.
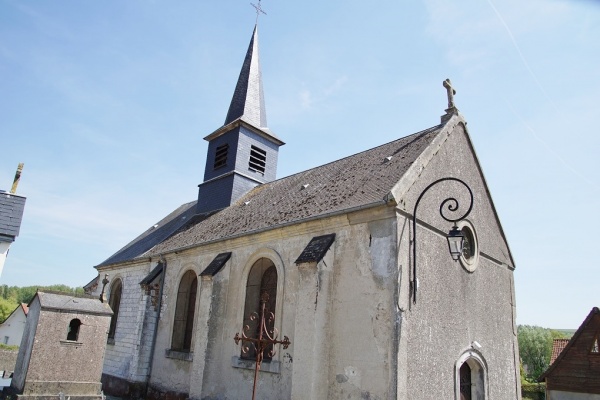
[
  {"x": 258, "y": 159},
  {"x": 221, "y": 156}
]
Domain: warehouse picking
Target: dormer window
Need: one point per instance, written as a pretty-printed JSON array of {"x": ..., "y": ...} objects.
[
  {"x": 221, "y": 156},
  {"x": 258, "y": 160}
]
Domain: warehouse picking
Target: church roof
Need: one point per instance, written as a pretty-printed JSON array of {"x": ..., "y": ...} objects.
[{"x": 355, "y": 182}]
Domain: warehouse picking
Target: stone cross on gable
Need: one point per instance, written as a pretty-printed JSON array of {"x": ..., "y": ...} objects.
[
  {"x": 451, "y": 92},
  {"x": 451, "y": 110},
  {"x": 258, "y": 10}
]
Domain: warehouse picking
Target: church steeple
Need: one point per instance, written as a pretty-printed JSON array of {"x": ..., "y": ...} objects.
[
  {"x": 243, "y": 152},
  {"x": 248, "y": 102}
]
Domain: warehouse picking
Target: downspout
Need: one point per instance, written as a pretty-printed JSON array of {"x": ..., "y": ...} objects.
[{"x": 163, "y": 261}]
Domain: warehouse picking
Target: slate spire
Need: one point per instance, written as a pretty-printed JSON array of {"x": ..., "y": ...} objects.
[{"x": 248, "y": 101}]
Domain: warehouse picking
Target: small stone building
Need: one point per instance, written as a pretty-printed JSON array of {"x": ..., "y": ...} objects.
[
  {"x": 62, "y": 350},
  {"x": 575, "y": 373}
]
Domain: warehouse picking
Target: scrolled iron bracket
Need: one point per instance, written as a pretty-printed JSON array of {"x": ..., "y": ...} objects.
[{"x": 449, "y": 205}]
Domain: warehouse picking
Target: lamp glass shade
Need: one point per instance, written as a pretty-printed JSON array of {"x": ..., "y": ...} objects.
[{"x": 455, "y": 242}]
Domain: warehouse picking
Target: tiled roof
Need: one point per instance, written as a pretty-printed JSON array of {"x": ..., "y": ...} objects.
[
  {"x": 556, "y": 360},
  {"x": 67, "y": 302},
  {"x": 357, "y": 181},
  {"x": 11, "y": 213},
  {"x": 155, "y": 234},
  {"x": 558, "y": 346}
]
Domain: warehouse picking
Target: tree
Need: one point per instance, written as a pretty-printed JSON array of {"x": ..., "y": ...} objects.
[
  {"x": 535, "y": 348},
  {"x": 7, "y": 306}
]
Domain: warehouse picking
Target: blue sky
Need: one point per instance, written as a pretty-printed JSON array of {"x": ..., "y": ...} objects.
[{"x": 107, "y": 103}]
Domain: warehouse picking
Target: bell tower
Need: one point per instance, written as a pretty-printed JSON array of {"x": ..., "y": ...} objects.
[{"x": 243, "y": 152}]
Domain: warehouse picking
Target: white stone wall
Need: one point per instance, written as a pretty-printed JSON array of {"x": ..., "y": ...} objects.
[
  {"x": 3, "y": 252},
  {"x": 339, "y": 313},
  {"x": 127, "y": 357},
  {"x": 13, "y": 327}
]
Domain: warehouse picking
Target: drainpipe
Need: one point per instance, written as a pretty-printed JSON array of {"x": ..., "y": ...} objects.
[{"x": 160, "y": 296}]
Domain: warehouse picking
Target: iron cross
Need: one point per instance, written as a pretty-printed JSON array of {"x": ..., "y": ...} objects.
[
  {"x": 258, "y": 10},
  {"x": 266, "y": 337}
]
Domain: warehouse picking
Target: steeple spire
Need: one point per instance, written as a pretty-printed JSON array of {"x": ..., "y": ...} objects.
[
  {"x": 243, "y": 152},
  {"x": 248, "y": 102}
]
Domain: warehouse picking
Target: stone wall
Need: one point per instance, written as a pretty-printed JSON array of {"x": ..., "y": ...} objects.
[{"x": 8, "y": 359}]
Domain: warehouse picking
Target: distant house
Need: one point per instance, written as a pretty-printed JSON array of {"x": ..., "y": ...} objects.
[
  {"x": 558, "y": 345},
  {"x": 11, "y": 330},
  {"x": 11, "y": 213},
  {"x": 574, "y": 373}
]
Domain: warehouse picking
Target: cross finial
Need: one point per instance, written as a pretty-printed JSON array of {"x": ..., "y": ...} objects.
[
  {"x": 451, "y": 92},
  {"x": 258, "y": 10}
]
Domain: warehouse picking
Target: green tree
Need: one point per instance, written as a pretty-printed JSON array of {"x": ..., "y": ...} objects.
[
  {"x": 535, "y": 348},
  {"x": 7, "y": 306}
]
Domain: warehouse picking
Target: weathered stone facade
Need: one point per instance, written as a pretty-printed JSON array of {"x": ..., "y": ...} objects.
[{"x": 354, "y": 331}]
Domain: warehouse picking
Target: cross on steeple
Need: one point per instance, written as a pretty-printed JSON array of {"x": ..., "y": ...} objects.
[{"x": 258, "y": 10}]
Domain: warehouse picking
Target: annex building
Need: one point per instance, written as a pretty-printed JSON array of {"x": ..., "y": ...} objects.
[{"x": 370, "y": 312}]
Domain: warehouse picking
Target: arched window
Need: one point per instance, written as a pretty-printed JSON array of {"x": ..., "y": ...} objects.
[
  {"x": 185, "y": 308},
  {"x": 471, "y": 377},
  {"x": 73, "y": 331},
  {"x": 114, "y": 302},
  {"x": 261, "y": 279},
  {"x": 465, "y": 382}
]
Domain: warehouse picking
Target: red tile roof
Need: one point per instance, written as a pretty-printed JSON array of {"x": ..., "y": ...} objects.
[{"x": 558, "y": 346}]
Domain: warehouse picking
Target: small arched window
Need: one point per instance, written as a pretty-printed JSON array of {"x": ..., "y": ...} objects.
[
  {"x": 471, "y": 377},
  {"x": 183, "y": 325},
  {"x": 114, "y": 302},
  {"x": 261, "y": 279},
  {"x": 73, "y": 331}
]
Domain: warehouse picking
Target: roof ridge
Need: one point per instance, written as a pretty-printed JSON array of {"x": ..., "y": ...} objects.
[{"x": 420, "y": 133}]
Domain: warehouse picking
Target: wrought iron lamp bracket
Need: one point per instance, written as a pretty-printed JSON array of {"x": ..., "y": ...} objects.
[{"x": 448, "y": 207}]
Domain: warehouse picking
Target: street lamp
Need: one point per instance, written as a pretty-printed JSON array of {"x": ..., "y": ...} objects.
[
  {"x": 456, "y": 240},
  {"x": 455, "y": 237}
]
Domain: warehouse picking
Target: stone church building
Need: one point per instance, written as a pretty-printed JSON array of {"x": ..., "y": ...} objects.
[{"x": 371, "y": 313}]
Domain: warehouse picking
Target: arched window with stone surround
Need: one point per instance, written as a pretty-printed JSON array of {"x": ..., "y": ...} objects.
[
  {"x": 185, "y": 308},
  {"x": 114, "y": 302},
  {"x": 471, "y": 377},
  {"x": 261, "y": 279},
  {"x": 73, "y": 331}
]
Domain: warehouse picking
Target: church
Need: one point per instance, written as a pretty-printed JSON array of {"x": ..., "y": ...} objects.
[{"x": 382, "y": 275}]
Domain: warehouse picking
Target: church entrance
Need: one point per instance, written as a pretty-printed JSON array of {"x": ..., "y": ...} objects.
[
  {"x": 465, "y": 382},
  {"x": 471, "y": 377}
]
